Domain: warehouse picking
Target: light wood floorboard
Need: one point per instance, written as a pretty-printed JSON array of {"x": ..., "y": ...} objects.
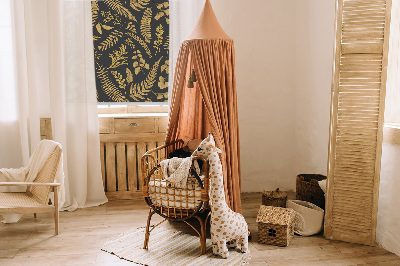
[{"x": 82, "y": 233}]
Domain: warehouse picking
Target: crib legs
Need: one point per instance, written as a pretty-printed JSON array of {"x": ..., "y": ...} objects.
[
  {"x": 203, "y": 236},
  {"x": 203, "y": 224},
  {"x": 147, "y": 235},
  {"x": 203, "y": 231}
]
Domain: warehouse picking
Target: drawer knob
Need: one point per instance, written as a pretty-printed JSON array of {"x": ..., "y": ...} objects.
[{"x": 133, "y": 124}]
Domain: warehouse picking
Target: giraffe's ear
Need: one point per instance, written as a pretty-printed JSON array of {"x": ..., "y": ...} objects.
[
  {"x": 216, "y": 149},
  {"x": 210, "y": 136}
]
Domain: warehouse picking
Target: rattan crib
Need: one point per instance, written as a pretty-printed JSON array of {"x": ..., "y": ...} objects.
[{"x": 170, "y": 202}]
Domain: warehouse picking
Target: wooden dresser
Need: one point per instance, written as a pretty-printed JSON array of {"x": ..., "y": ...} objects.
[{"x": 123, "y": 141}]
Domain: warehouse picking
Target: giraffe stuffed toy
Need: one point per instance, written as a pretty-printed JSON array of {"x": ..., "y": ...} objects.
[{"x": 226, "y": 225}]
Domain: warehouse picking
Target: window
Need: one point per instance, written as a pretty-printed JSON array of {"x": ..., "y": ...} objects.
[
  {"x": 139, "y": 109},
  {"x": 131, "y": 47}
]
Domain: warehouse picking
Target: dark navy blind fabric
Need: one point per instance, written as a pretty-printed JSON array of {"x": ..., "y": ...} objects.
[{"x": 131, "y": 45}]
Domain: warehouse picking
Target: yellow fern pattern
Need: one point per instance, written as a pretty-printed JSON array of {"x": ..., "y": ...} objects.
[
  {"x": 110, "y": 89},
  {"x": 110, "y": 40},
  {"x": 145, "y": 25},
  {"x": 131, "y": 45},
  {"x": 140, "y": 90},
  {"x": 138, "y": 5},
  {"x": 119, "y": 8}
]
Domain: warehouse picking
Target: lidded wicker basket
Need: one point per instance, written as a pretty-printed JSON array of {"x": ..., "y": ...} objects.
[
  {"x": 274, "y": 198},
  {"x": 275, "y": 225},
  {"x": 308, "y": 189}
]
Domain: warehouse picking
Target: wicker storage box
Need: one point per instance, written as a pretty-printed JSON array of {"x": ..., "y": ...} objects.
[
  {"x": 274, "y": 198},
  {"x": 275, "y": 225},
  {"x": 308, "y": 189}
]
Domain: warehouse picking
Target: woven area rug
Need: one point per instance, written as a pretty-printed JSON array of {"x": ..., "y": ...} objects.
[{"x": 167, "y": 247}]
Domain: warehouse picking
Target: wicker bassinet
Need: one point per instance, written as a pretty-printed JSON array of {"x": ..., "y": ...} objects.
[{"x": 170, "y": 202}]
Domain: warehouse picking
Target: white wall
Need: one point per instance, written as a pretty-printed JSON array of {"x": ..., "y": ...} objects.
[
  {"x": 388, "y": 227},
  {"x": 284, "y": 52},
  {"x": 264, "y": 32},
  {"x": 314, "y": 60}
]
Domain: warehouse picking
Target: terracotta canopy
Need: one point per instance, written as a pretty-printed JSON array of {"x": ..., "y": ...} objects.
[{"x": 210, "y": 105}]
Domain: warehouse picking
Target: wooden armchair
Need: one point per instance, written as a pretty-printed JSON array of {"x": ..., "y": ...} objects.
[{"x": 36, "y": 197}]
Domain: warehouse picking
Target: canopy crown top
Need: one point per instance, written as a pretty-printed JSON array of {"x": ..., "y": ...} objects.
[{"x": 207, "y": 26}]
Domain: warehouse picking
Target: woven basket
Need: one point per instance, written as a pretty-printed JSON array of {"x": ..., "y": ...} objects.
[
  {"x": 275, "y": 225},
  {"x": 277, "y": 235},
  {"x": 308, "y": 189},
  {"x": 274, "y": 198}
]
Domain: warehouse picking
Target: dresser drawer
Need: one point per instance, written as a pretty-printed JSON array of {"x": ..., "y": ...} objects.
[
  {"x": 106, "y": 125},
  {"x": 162, "y": 124},
  {"x": 134, "y": 125}
]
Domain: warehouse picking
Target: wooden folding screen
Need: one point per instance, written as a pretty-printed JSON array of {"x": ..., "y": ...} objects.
[{"x": 358, "y": 96}]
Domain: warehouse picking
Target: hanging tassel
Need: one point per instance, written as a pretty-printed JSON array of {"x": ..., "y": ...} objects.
[
  {"x": 193, "y": 76},
  {"x": 190, "y": 83}
]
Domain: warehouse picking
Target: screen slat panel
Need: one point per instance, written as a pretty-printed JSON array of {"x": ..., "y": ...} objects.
[{"x": 357, "y": 119}]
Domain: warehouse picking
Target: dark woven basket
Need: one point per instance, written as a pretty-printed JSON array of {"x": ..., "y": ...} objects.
[
  {"x": 308, "y": 189},
  {"x": 274, "y": 198}
]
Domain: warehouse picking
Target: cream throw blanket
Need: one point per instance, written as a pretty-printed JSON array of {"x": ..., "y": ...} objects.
[
  {"x": 29, "y": 173},
  {"x": 176, "y": 170}
]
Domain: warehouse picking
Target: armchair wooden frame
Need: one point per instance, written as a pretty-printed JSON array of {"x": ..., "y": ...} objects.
[
  {"x": 36, "y": 197},
  {"x": 24, "y": 209}
]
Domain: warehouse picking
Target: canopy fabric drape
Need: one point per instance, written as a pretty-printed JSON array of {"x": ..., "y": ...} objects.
[{"x": 211, "y": 106}]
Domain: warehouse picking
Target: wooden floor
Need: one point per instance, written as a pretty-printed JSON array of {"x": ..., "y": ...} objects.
[{"x": 82, "y": 233}]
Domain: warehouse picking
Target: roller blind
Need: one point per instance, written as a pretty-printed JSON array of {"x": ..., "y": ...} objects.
[
  {"x": 358, "y": 97},
  {"x": 131, "y": 50}
]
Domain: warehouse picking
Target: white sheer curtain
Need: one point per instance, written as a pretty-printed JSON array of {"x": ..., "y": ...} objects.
[
  {"x": 80, "y": 128},
  {"x": 183, "y": 15},
  {"x": 10, "y": 155},
  {"x": 55, "y": 78}
]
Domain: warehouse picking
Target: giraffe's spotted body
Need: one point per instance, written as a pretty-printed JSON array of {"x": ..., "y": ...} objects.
[{"x": 226, "y": 225}]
